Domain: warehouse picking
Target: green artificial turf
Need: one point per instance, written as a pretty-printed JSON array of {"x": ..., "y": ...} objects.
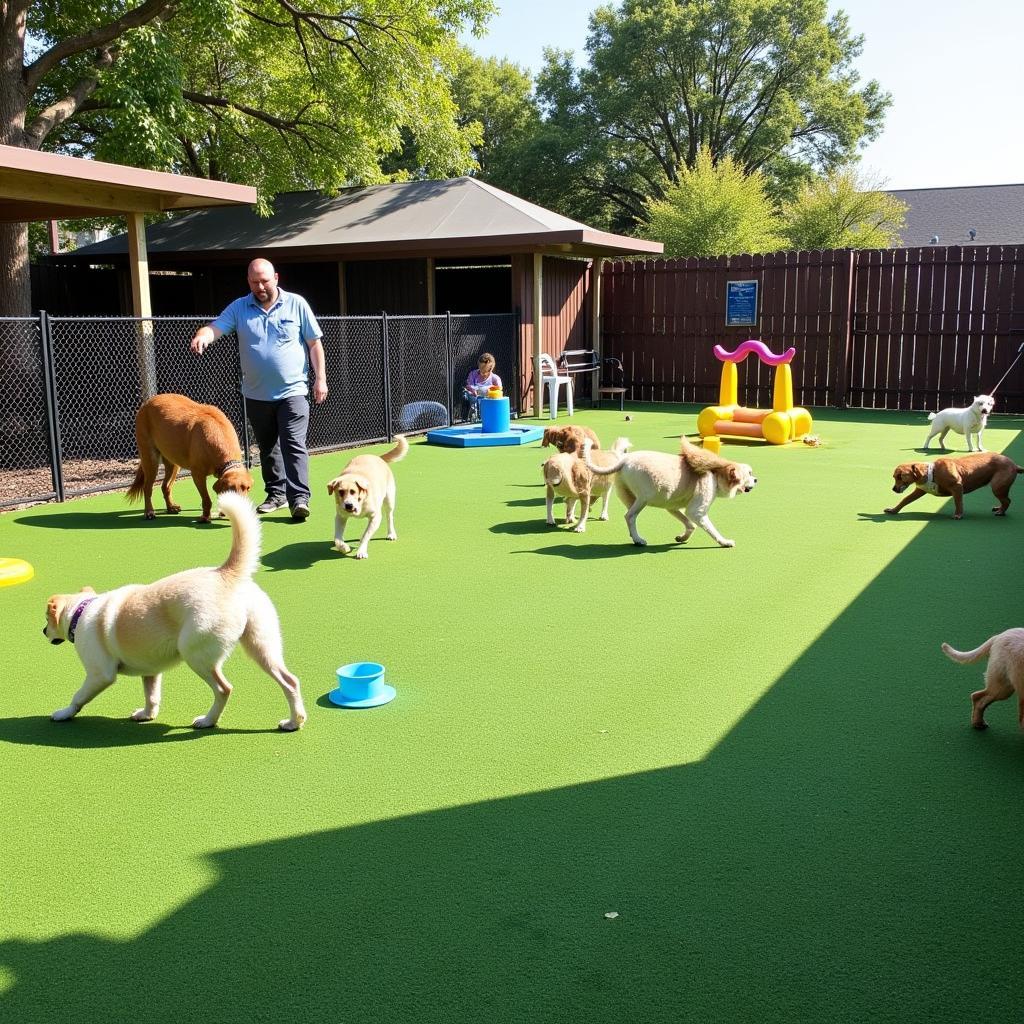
[{"x": 757, "y": 758}]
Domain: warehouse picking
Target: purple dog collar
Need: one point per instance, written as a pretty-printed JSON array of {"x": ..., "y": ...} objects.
[{"x": 76, "y": 615}]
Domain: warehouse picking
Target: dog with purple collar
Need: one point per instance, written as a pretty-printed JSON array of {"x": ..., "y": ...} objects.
[{"x": 197, "y": 616}]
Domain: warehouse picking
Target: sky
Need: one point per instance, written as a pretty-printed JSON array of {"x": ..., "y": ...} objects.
[{"x": 955, "y": 69}]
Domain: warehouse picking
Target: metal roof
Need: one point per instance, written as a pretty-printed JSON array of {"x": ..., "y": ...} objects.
[
  {"x": 459, "y": 216},
  {"x": 48, "y": 186},
  {"x": 995, "y": 212}
]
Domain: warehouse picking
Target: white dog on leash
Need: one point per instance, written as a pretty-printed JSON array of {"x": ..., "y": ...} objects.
[{"x": 969, "y": 421}]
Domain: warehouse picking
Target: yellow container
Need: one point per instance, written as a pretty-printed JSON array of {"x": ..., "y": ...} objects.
[{"x": 494, "y": 392}]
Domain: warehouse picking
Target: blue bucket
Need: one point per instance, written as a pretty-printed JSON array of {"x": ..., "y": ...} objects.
[{"x": 361, "y": 685}]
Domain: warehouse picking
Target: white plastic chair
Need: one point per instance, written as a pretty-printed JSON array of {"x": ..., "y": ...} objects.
[{"x": 551, "y": 379}]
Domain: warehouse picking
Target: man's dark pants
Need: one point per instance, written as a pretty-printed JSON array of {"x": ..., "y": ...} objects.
[{"x": 280, "y": 428}]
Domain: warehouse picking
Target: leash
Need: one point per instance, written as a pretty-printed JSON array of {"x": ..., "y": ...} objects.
[{"x": 1010, "y": 367}]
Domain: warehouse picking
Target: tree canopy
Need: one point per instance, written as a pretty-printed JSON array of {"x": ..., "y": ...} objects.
[{"x": 769, "y": 83}]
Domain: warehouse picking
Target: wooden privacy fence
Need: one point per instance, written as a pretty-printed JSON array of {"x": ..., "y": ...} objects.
[{"x": 881, "y": 329}]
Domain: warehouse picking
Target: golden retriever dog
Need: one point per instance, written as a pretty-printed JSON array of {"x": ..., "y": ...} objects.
[
  {"x": 186, "y": 435},
  {"x": 197, "y": 616},
  {"x": 957, "y": 477},
  {"x": 569, "y": 439},
  {"x": 685, "y": 485},
  {"x": 365, "y": 490},
  {"x": 1004, "y": 673},
  {"x": 567, "y": 476}
]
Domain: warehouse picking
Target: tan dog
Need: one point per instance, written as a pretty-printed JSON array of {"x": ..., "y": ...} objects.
[
  {"x": 957, "y": 477},
  {"x": 365, "y": 490},
  {"x": 568, "y": 477},
  {"x": 569, "y": 439},
  {"x": 685, "y": 485},
  {"x": 186, "y": 435},
  {"x": 1003, "y": 675},
  {"x": 196, "y": 616}
]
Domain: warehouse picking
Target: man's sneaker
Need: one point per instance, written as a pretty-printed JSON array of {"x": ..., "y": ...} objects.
[
  {"x": 300, "y": 511},
  {"x": 271, "y": 505}
]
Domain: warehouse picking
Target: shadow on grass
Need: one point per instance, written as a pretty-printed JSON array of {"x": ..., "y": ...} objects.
[
  {"x": 86, "y": 731},
  {"x": 77, "y": 520},
  {"x": 301, "y": 555},
  {"x": 843, "y": 854}
]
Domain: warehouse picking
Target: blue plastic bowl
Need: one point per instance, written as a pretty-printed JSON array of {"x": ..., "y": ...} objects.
[{"x": 361, "y": 685}]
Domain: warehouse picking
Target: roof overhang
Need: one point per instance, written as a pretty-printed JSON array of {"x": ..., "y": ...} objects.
[{"x": 48, "y": 186}]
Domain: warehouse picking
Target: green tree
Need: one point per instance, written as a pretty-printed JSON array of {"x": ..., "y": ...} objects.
[
  {"x": 770, "y": 83},
  {"x": 265, "y": 92},
  {"x": 496, "y": 97},
  {"x": 842, "y": 211},
  {"x": 714, "y": 210}
]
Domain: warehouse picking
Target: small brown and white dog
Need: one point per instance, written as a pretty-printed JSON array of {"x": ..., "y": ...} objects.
[
  {"x": 569, "y": 439},
  {"x": 969, "y": 421},
  {"x": 186, "y": 435},
  {"x": 196, "y": 616},
  {"x": 365, "y": 490},
  {"x": 1004, "y": 673},
  {"x": 685, "y": 485},
  {"x": 956, "y": 477},
  {"x": 568, "y": 477}
]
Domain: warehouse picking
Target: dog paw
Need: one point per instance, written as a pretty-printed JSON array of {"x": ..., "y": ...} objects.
[
  {"x": 603, "y": 519},
  {"x": 151, "y": 514},
  {"x": 362, "y": 554},
  {"x": 551, "y": 522},
  {"x": 582, "y": 528},
  {"x": 727, "y": 543},
  {"x": 203, "y": 722},
  {"x": 343, "y": 548},
  {"x": 640, "y": 542},
  {"x": 999, "y": 511},
  {"x": 889, "y": 511},
  {"x": 173, "y": 510},
  {"x": 391, "y": 536},
  {"x": 142, "y": 715},
  {"x": 289, "y": 725},
  {"x": 63, "y": 714}
]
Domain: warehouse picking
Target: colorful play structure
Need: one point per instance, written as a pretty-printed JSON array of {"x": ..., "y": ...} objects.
[{"x": 777, "y": 425}]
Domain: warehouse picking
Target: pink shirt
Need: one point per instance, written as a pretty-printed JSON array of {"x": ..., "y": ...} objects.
[{"x": 477, "y": 380}]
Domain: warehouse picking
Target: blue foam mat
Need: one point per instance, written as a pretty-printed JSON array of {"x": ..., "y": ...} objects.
[{"x": 472, "y": 436}]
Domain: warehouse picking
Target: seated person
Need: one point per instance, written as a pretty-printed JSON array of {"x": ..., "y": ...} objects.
[{"x": 480, "y": 381}]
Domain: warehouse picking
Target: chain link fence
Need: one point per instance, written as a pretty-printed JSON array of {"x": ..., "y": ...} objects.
[{"x": 71, "y": 387}]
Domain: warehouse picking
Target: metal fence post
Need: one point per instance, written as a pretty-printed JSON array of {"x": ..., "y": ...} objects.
[
  {"x": 449, "y": 368},
  {"x": 52, "y": 412},
  {"x": 387, "y": 375}
]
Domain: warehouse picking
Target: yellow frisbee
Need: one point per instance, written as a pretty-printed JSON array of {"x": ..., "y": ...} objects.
[{"x": 14, "y": 570}]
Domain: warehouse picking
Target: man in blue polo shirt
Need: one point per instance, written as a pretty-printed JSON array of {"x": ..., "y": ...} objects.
[{"x": 278, "y": 340}]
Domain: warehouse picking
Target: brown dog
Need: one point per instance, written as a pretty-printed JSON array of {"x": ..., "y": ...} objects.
[
  {"x": 1003, "y": 676},
  {"x": 957, "y": 477},
  {"x": 567, "y": 476},
  {"x": 186, "y": 435},
  {"x": 569, "y": 439}
]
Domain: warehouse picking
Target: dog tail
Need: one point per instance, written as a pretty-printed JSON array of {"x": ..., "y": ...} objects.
[
  {"x": 966, "y": 657},
  {"x": 135, "y": 490},
  {"x": 244, "y": 557},
  {"x": 700, "y": 460},
  {"x": 398, "y": 452},
  {"x": 601, "y": 470},
  {"x": 622, "y": 445}
]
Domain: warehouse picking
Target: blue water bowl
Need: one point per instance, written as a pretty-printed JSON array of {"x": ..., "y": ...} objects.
[{"x": 361, "y": 685}]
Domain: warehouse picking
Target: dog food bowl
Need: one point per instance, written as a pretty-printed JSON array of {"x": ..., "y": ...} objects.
[{"x": 361, "y": 685}]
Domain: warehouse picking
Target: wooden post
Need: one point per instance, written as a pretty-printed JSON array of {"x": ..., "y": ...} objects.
[
  {"x": 138, "y": 264},
  {"x": 342, "y": 290},
  {"x": 538, "y": 331},
  {"x": 596, "y": 269},
  {"x": 431, "y": 298}
]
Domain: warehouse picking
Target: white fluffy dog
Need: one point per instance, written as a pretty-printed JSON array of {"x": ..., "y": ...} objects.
[
  {"x": 969, "y": 421},
  {"x": 196, "y": 616}
]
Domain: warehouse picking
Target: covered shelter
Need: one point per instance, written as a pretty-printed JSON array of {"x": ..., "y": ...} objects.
[{"x": 418, "y": 247}]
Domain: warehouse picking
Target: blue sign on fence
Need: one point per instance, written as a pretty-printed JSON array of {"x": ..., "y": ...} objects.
[{"x": 740, "y": 303}]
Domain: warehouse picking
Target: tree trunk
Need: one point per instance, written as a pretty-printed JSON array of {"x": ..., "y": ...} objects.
[{"x": 15, "y": 286}]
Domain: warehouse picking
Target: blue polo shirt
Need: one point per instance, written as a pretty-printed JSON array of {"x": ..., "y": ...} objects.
[{"x": 272, "y": 344}]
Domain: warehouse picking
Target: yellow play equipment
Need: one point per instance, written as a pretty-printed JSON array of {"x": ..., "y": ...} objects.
[
  {"x": 777, "y": 425},
  {"x": 14, "y": 570}
]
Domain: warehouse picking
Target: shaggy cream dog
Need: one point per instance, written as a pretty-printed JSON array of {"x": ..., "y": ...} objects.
[
  {"x": 365, "y": 490},
  {"x": 685, "y": 485},
  {"x": 567, "y": 476},
  {"x": 969, "y": 421},
  {"x": 1004, "y": 673},
  {"x": 196, "y": 616}
]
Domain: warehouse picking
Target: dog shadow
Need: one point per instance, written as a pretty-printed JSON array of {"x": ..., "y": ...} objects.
[
  {"x": 589, "y": 551},
  {"x": 526, "y": 502},
  {"x": 117, "y": 520},
  {"x": 523, "y": 528},
  {"x": 302, "y": 555},
  {"x": 92, "y": 731}
]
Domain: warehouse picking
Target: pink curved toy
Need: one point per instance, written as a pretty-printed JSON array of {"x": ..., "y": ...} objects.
[{"x": 759, "y": 348}]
